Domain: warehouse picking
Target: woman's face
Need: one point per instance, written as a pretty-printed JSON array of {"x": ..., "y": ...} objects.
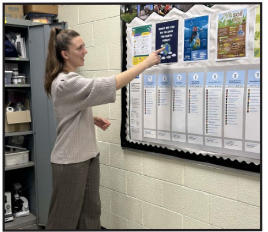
[{"x": 76, "y": 53}]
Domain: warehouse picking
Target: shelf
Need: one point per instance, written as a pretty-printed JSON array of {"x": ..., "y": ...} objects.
[
  {"x": 19, "y": 133},
  {"x": 18, "y": 166},
  {"x": 17, "y": 22},
  {"x": 16, "y": 59},
  {"x": 17, "y": 86},
  {"x": 20, "y": 222}
]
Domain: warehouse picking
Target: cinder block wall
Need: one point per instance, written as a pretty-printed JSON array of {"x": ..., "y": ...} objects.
[{"x": 147, "y": 191}]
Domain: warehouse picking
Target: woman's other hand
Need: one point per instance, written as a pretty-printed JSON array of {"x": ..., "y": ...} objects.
[{"x": 102, "y": 123}]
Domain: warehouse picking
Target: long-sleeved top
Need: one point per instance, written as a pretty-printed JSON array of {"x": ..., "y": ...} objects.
[{"x": 73, "y": 97}]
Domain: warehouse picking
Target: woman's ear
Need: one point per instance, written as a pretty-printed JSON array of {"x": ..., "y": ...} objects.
[{"x": 64, "y": 54}]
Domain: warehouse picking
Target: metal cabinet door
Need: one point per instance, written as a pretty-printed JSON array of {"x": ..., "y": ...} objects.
[{"x": 44, "y": 120}]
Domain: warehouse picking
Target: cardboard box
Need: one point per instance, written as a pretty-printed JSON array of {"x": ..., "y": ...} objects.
[
  {"x": 14, "y": 11},
  {"x": 18, "y": 121},
  {"x": 46, "y": 9}
]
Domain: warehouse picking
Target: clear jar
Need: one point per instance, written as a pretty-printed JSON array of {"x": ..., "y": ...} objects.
[{"x": 15, "y": 72}]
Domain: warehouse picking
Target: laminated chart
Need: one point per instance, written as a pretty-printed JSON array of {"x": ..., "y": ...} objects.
[
  {"x": 141, "y": 43},
  {"x": 231, "y": 35},
  {"x": 179, "y": 107},
  {"x": 213, "y": 108},
  {"x": 163, "y": 106},
  {"x": 253, "y": 111},
  {"x": 233, "y": 121},
  {"x": 136, "y": 109},
  {"x": 195, "y": 107},
  {"x": 150, "y": 106}
]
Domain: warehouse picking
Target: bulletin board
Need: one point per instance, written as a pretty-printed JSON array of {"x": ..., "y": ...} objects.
[{"x": 203, "y": 101}]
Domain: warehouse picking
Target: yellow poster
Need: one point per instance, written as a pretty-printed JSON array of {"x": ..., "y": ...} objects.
[
  {"x": 141, "y": 43},
  {"x": 257, "y": 37}
]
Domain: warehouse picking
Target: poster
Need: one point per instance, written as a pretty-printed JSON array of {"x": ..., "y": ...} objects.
[
  {"x": 179, "y": 103},
  {"x": 195, "y": 103},
  {"x": 167, "y": 36},
  {"x": 234, "y": 95},
  {"x": 253, "y": 106},
  {"x": 257, "y": 37},
  {"x": 213, "y": 104},
  {"x": 232, "y": 35},
  {"x": 141, "y": 43},
  {"x": 163, "y": 102},
  {"x": 196, "y": 38},
  {"x": 135, "y": 109},
  {"x": 150, "y": 105}
]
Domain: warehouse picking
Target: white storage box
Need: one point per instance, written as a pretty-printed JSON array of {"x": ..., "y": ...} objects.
[{"x": 17, "y": 158}]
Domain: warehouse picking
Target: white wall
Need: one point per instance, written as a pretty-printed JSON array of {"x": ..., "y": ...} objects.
[{"x": 151, "y": 191}]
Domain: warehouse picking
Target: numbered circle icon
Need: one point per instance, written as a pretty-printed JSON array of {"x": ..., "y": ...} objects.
[
  {"x": 257, "y": 75},
  {"x": 215, "y": 76},
  {"x": 150, "y": 78},
  {"x": 179, "y": 77},
  {"x": 164, "y": 78},
  {"x": 195, "y": 77},
  {"x": 235, "y": 75}
]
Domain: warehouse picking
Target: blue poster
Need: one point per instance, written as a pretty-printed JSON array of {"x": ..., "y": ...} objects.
[
  {"x": 167, "y": 36},
  {"x": 196, "y": 38}
]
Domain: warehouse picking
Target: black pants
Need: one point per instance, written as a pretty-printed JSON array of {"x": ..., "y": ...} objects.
[{"x": 75, "y": 201}]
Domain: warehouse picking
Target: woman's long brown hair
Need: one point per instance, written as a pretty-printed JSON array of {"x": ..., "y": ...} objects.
[{"x": 58, "y": 41}]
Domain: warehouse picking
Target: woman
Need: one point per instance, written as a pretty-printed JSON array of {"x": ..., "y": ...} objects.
[{"x": 75, "y": 201}]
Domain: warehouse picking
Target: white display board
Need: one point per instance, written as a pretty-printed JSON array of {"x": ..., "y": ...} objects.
[{"x": 203, "y": 106}]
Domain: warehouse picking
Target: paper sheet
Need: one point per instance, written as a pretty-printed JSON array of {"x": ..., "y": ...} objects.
[
  {"x": 195, "y": 102},
  {"x": 179, "y": 102}
]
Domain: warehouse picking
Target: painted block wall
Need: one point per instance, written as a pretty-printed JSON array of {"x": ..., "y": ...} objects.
[{"x": 153, "y": 191}]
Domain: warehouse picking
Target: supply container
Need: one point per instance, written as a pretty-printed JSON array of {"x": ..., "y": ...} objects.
[
  {"x": 16, "y": 155},
  {"x": 18, "y": 80},
  {"x": 8, "y": 76}
]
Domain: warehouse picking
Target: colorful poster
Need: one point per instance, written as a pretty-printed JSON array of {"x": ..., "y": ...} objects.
[
  {"x": 166, "y": 35},
  {"x": 196, "y": 38},
  {"x": 257, "y": 36},
  {"x": 253, "y": 106},
  {"x": 141, "y": 43},
  {"x": 231, "y": 35}
]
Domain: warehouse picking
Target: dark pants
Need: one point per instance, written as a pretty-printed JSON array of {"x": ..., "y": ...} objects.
[{"x": 75, "y": 201}]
